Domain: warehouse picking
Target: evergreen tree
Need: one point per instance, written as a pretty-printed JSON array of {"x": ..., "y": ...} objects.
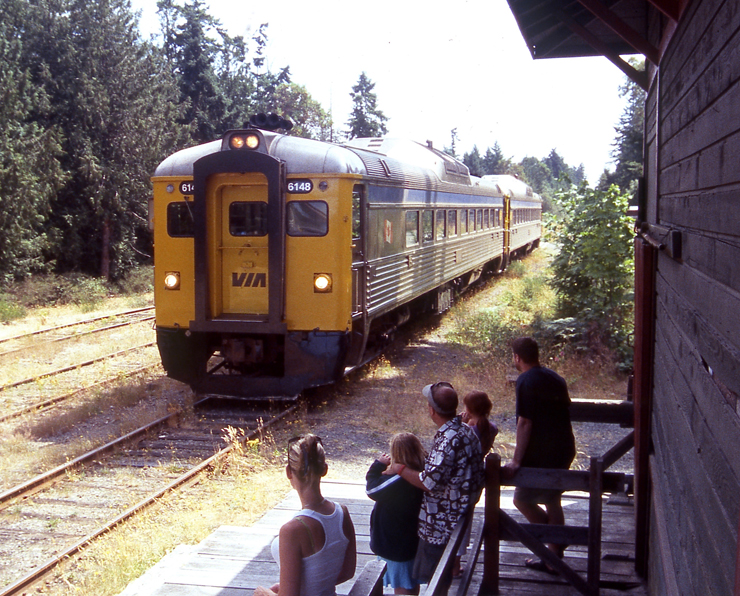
[
  {"x": 195, "y": 53},
  {"x": 116, "y": 106},
  {"x": 29, "y": 168},
  {"x": 627, "y": 152},
  {"x": 474, "y": 162},
  {"x": 494, "y": 161},
  {"x": 366, "y": 120}
]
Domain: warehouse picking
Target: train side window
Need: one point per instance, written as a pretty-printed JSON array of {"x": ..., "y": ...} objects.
[
  {"x": 441, "y": 224},
  {"x": 412, "y": 228},
  {"x": 308, "y": 218},
  {"x": 356, "y": 205},
  {"x": 486, "y": 218},
  {"x": 471, "y": 221},
  {"x": 180, "y": 223},
  {"x": 480, "y": 219},
  {"x": 464, "y": 221},
  {"x": 248, "y": 218},
  {"x": 452, "y": 223},
  {"x": 427, "y": 225}
]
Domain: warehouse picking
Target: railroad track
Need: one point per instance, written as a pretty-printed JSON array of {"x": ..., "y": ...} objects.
[
  {"x": 49, "y": 335},
  {"x": 56, "y": 514},
  {"x": 47, "y": 367}
]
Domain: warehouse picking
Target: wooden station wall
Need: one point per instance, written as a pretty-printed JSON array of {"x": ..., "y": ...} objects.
[{"x": 692, "y": 190}]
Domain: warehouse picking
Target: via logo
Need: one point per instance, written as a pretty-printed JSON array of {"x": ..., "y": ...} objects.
[{"x": 249, "y": 280}]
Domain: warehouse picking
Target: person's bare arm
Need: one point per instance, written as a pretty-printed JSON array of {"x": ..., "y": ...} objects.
[
  {"x": 523, "y": 434},
  {"x": 350, "y": 556},
  {"x": 408, "y": 474}
]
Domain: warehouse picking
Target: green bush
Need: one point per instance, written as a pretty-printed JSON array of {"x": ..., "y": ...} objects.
[
  {"x": 137, "y": 281},
  {"x": 594, "y": 269},
  {"x": 52, "y": 290},
  {"x": 10, "y": 310}
]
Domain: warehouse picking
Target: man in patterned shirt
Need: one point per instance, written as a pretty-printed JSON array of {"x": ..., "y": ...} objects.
[{"x": 451, "y": 480}]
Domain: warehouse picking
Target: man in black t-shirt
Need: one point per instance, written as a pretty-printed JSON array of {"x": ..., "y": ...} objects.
[{"x": 544, "y": 437}]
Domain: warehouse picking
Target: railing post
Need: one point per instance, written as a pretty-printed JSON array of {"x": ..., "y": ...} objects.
[
  {"x": 596, "y": 483},
  {"x": 491, "y": 527}
]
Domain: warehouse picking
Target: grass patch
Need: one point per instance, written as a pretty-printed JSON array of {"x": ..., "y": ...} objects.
[{"x": 85, "y": 294}]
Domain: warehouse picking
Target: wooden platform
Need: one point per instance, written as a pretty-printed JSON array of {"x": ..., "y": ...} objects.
[{"x": 232, "y": 561}]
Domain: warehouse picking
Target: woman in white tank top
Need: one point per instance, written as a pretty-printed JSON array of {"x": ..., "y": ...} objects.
[{"x": 315, "y": 550}]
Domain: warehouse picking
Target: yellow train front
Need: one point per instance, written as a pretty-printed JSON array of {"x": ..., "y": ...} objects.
[{"x": 282, "y": 262}]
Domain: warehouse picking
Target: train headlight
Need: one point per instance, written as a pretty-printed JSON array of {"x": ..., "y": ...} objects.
[
  {"x": 241, "y": 141},
  {"x": 172, "y": 280},
  {"x": 322, "y": 283}
]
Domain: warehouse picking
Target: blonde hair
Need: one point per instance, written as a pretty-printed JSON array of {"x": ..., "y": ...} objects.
[
  {"x": 306, "y": 457},
  {"x": 406, "y": 449}
]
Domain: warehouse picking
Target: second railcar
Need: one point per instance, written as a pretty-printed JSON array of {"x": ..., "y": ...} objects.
[{"x": 281, "y": 262}]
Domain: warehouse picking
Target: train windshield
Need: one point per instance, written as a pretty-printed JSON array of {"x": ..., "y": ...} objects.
[
  {"x": 308, "y": 218},
  {"x": 180, "y": 220}
]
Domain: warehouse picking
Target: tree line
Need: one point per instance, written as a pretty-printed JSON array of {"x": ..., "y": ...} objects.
[{"x": 89, "y": 108}]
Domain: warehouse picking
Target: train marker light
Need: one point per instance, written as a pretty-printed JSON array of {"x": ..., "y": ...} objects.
[
  {"x": 244, "y": 141},
  {"x": 322, "y": 283},
  {"x": 172, "y": 280}
]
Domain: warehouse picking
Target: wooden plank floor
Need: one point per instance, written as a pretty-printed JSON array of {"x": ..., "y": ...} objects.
[{"x": 232, "y": 561}]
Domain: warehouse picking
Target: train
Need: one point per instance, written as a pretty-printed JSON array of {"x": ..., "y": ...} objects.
[{"x": 282, "y": 263}]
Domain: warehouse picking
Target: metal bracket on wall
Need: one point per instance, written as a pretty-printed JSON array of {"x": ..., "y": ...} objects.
[{"x": 663, "y": 239}]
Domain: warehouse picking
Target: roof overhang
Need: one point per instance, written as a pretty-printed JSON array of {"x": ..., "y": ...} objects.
[{"x": 579, "y": 28}]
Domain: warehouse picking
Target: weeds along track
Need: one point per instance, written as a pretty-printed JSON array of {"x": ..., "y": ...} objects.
[
  {"x": 52, "y": 517},
  {"x": 46, "y": 367}
]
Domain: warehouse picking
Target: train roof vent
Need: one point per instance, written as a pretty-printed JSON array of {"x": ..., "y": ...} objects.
[{"x": 375, "y": 165}]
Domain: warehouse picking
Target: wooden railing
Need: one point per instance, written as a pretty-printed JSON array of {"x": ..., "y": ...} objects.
[
  {"x": 499, "y": 525},
  {"x": 370, "y": 580}
]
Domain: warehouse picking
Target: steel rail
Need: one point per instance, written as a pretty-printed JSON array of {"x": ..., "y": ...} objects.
[
  {"x": 76, "y": 335},
  {"x": 43, "y": 479},
  {"x": 74, "y": 366},
  {"x": 66, "y": 325},
  {"x": 60, "y": 398},
  {"x": 34, "y": 576}
]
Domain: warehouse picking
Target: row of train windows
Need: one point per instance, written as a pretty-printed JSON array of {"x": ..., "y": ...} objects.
[
  {"x": 520, "y": 216},
  {"x": 443, "y": 223},
  {"x": 303, "y": 218},
  {"x": 311, "y": 218}
]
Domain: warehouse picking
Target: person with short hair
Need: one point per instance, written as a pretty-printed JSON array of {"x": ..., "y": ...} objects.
[
  {"x": 452, "y": 479},
  {"x": 316, "y": 550},
  {"x": 395, "y": 515},
  {"x": 544, "y": 438}
]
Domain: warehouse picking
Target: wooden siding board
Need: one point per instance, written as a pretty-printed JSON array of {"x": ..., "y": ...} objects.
[
  {"x": 691, "y": 332},
  {"x": 692, "y": 538},
  {"x": 719, "y": 354},
  {"x": 715, "y": 303},
  {"x": 700, "y": 37},
  {"x": 693, "y": 128},
  {"x": 718, "y": 72},
  {"x": 706, "y": 451},
  {"x": 712, "y": 167},
  {"x": 714, "y": 213}
]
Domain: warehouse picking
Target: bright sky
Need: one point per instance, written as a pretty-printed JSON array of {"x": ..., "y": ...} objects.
[{"x": 438, "y": 66}]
